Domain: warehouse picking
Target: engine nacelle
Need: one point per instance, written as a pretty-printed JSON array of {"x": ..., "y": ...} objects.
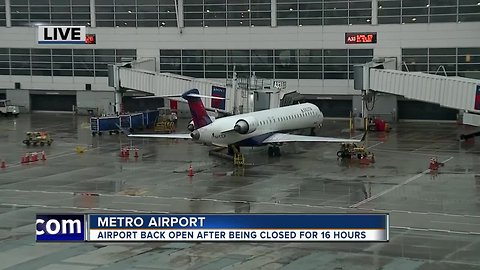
[
  {"x": 246, "y": 125},
  {"x": 191, "y": 126}
]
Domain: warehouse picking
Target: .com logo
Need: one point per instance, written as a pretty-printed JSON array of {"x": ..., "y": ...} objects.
[{"x": 60, "y": 227}]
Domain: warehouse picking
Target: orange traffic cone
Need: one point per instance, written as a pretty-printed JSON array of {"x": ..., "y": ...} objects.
[
  {"x": 44, "y": 157},
  {"x": 190, "y": 171},
  {"x": 34, "y": 156},
  {"x": 3, "y": 166}
]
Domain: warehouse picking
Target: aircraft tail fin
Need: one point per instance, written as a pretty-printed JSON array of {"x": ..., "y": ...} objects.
[{"x": 198, "y": 111}]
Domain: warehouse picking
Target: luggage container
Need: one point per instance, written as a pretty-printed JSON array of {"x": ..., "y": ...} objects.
[
  {"x": 149, "y": 118},
  {"x": 132, "y": 121},
  {"x": 109, "y": 124}
]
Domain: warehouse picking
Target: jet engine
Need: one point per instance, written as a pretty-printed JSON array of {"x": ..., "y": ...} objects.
[
  {"x": 191, "y": 126},
  {"x": 246, "y": 125},
  {"x": 195, "y": 135}
]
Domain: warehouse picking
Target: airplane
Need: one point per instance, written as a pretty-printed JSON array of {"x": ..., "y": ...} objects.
[{"x": 258, "y": 128}]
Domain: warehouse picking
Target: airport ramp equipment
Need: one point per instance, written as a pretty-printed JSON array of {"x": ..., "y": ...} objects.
[
  {"x": 453, "y": 92},
  {"x": 133, "y": 121},
  {"x": 104, "y": 124},
  {"x": 149, "y": 118}
]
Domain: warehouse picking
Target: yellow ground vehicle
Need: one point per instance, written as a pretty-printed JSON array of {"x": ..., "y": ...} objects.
[
  {"x": 35, "y": 138},
  {"x": 165, "y": 122},
  {"x": 351, "y": 150}
]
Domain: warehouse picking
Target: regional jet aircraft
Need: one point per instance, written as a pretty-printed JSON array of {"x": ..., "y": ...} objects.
[{"x": 251, "y": 129}]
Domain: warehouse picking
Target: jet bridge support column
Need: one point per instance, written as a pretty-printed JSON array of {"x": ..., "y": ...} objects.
[
  {"x": 118, "y": 102},
  {"x": 114, "y": 81},
  {"x": 364, "y": 110}
]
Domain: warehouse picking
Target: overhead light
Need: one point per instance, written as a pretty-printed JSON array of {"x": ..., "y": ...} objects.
[
  {"x": 403, "y": 23},
  {"x": 414, "y": 19},
  {"x": 252, "y": 25},
  {"x": 206, "y": 26},
  {"x": 208, "y": 10},
  {"x": 368, "y": 20},
  {"x": 291, "y": 9},
  {"x": 168, "y": 11},
  {"x": 478, "y": 4},
  {"x": 163, "y": 23},
  {"x": 130, "y": 11},
  {"x": 350, "y": 24},
  {"x": 428, "y": 5},
  {"x": 248, "y": 10},
  {"x": 125, "y": 23},
  {"x": 380, "y": 7},
  {"x": 300, "y": 25},
  {"x": 241, "y": 22}
]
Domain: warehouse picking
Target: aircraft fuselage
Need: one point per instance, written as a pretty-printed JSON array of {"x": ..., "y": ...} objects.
[{"x": 251, "y": 129}]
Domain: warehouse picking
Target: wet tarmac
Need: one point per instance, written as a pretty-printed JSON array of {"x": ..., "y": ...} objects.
[{"x": 435, "y": 218}]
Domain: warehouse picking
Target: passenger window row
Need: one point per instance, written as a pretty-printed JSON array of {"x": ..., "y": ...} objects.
[{"x": 284, "y": 118}]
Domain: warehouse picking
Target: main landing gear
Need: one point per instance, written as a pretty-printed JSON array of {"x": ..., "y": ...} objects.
[{"x": 274, "y": 151}]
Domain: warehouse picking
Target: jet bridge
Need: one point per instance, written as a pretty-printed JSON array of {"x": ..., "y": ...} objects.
[{"x": 453, "y": 92}]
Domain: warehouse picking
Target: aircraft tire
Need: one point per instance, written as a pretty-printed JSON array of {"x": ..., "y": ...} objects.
[
  {"x": 271, "y": 152},
  {"x": 276, "y": 151}
]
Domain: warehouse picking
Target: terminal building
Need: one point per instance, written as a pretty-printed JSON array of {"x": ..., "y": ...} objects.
[{"x": 311, "y": 45}]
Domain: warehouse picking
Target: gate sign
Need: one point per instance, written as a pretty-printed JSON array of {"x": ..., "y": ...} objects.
[
  {"x": 218, "y": 91},
  {"x": 61, "y": 35}
]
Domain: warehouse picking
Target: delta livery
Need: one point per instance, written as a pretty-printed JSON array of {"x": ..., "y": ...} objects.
[{"x": 267, "y": 127}]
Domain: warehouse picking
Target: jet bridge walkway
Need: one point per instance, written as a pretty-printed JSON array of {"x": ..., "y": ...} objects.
[{"x": 453, "y": 92}]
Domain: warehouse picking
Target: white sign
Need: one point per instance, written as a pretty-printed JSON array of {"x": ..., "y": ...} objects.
[
  {"x": 231, "y": 235},
  {"x": 61, "y": 35},
  {"x": 280, "y": 84}
]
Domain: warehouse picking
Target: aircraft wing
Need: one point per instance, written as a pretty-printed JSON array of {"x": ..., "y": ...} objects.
[
  {"x": 166, "y": 136},
  {"x": 283, "y": 137}
]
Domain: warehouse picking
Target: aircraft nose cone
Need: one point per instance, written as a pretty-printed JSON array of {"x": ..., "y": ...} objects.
[{"x": 195, "y": 135}]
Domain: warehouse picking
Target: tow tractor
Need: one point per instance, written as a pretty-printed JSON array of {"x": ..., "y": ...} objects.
[
  {"x": 165, "y": 122},
  {"x": 351, "y": 150},
  {"x": 35, "y": 138}
]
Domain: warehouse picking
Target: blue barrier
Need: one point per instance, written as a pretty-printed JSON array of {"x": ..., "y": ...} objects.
[{"x": 131, "y": 122}]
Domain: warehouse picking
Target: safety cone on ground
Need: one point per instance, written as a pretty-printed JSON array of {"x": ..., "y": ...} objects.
[
  {"x": 190, "y": 171},
  {"x": 44, "y": 157},
  {"x": 3, "y": 165},
  {"x": 27, "y": 157},
  {"x": 34, "y": 156},
  {"x": 122, "y": 152}
]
